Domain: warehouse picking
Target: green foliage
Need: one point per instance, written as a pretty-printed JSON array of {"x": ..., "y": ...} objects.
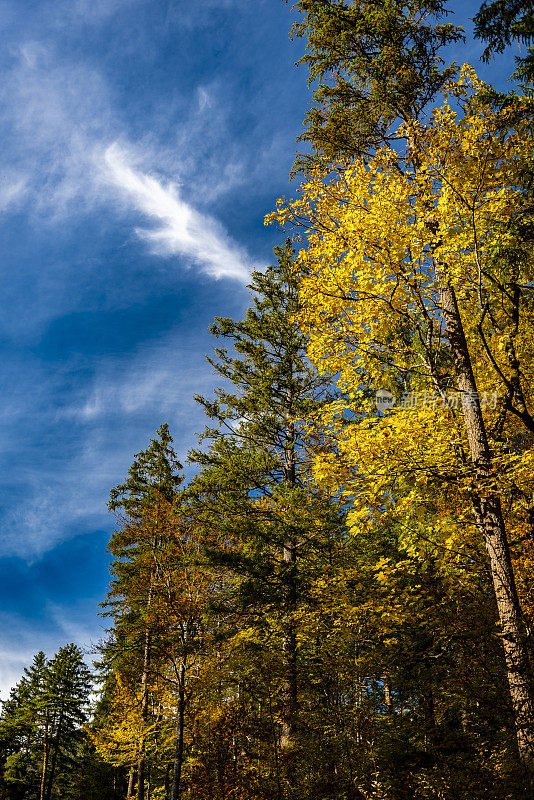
[
  {"x": 41, "y": 726},
  {"x": 501, "y": 22},
  {"x": 375, "y": 65},
  {"x": 152, "y": 476}
]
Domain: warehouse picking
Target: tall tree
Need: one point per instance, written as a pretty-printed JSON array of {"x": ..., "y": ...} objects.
[
  {"x": 254, "y": 485},
  {"x": 42, "y": 724},
  {"x": 383, "y": 60},
  {"x": 374, "y": 65},
  {"x": 20, "y": 729},
  {"x": 66, "y": 693},
  {"x": 144, "y": 498}
]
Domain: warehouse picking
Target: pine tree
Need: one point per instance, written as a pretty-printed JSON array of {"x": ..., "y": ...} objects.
[
  {"x": 264, "y": 520},
  {"x": 145, "y": 499},
  {"x": 41, "y": 726}
]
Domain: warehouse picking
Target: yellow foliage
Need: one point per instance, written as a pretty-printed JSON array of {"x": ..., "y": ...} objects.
[{"x": 371, "y": 306}]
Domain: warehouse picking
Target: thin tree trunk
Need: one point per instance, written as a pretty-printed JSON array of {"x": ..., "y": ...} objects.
[
  {"x": 290, "y": 686},
  {"x": 289, "y": 555},
  {"x": 141, "y": 763},
  {"x": 179, "y": 751},
  {"x": 44, "y": 770},
  {"x": 52, "y": 771},
  {"x": 131, "y": 781},
  {"x": 489, "y": 518},
  {"x": 429, "y": 714},
  {"x": 388, "y": 695}
]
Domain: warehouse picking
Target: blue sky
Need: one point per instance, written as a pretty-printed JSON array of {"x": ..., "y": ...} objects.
[{"x": 142, "y": 143}]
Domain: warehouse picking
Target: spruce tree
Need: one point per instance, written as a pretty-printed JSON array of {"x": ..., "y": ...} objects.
[
  {"x": 265, "y": 522},
  {"x": 65, "y": 697},
  {"x": 501, "y": 22},
  {"x": 41, "y": 726},
  {"x": 374, "y": 66},
  {"x": 20, "y": 730},
  {"x": 150, "y": 489}
]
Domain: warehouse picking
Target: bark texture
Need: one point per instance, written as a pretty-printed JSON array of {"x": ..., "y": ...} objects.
[
  {"x": 289, "y": 556},
  {"x": 490, "y": 521}
]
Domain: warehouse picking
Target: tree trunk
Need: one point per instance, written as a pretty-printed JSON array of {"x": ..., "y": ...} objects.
[
  {"x": 141, "y": 763},
  {"x": 131, "y": 782},
  {"x": 388, "y": 694},
  {"x": 179, "y": 751},
  {"x": 289, "y": 687},
  {"x": 55, "y": 751},
  {"x": 489, "y": 518},
  {"x": 429, "y": 713},
  {"x": 44, "y": 771},
  {"x": 289, "y": 555}
]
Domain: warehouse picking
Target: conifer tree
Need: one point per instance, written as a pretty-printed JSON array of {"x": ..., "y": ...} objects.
[
  {"x": 374, "y": 65},
  {"x": 144, "y": 498},
  {"x": 41, "y": 726},
  {"x": 255, "y": 490},
  {"x": 20, "y": 730},
  {"x": 65, "y": 697},
  {"x": 499, "y": 23}
]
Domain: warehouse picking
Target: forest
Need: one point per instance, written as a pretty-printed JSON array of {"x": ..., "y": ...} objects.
[{"x": 339, "y": 604}]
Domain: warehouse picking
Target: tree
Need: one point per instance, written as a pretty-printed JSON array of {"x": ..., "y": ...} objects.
[
  {"x": 42, "y": 725},
  {"x": 20, "y": 730},
  {"x": 375, "y": 65},
  {"x": 501, "y": 22},
  {"x": 265, "y": 521},
  {"x": 145, "y": 498},
  {"x": 66, "y": 692},
  {"x": 404, "y": 249}
]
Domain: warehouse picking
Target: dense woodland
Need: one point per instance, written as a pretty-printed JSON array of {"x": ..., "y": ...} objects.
[{"x": 340, "y": 603}]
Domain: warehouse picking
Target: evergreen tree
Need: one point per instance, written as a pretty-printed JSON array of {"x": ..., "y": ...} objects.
[
  {"x": 154, "y": 474},
  {"x": 265, "y": 522},
  {"x": 499, "y": 23},
  {"x": 41, "y": 726},
  {"x": 375, "y": 66},
  {"x": 20, "y": 730},
  {"x": 65, "y": 698},
  {"x": 145, "y": 500}
]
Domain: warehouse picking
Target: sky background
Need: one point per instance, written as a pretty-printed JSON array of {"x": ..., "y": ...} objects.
[{"x": 142, "y": 143}]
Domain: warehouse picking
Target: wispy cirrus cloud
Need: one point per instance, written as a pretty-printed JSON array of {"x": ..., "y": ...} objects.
[
  {"x": 180, "y": 229},
  {"x": 13, "y": 189},
  {"x": 58, "y": 119},
  {"x": 21, "y": 638}
]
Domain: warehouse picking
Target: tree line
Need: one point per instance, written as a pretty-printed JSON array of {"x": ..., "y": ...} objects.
[{"x": 339, "y": 603}]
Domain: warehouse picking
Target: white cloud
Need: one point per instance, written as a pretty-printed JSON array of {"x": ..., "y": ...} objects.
[
  {"x": 165, "y": 375},
  {"x": 181, "y": 229},
  {"x": 22, "y": 639},
  {"x": 13, "y": 659},
  {"x": 12, "y": 191},
  {"x": 50, "y": 497},
  {"x": 57, "y": 121},
  {"x": 75, "y": 622}
]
